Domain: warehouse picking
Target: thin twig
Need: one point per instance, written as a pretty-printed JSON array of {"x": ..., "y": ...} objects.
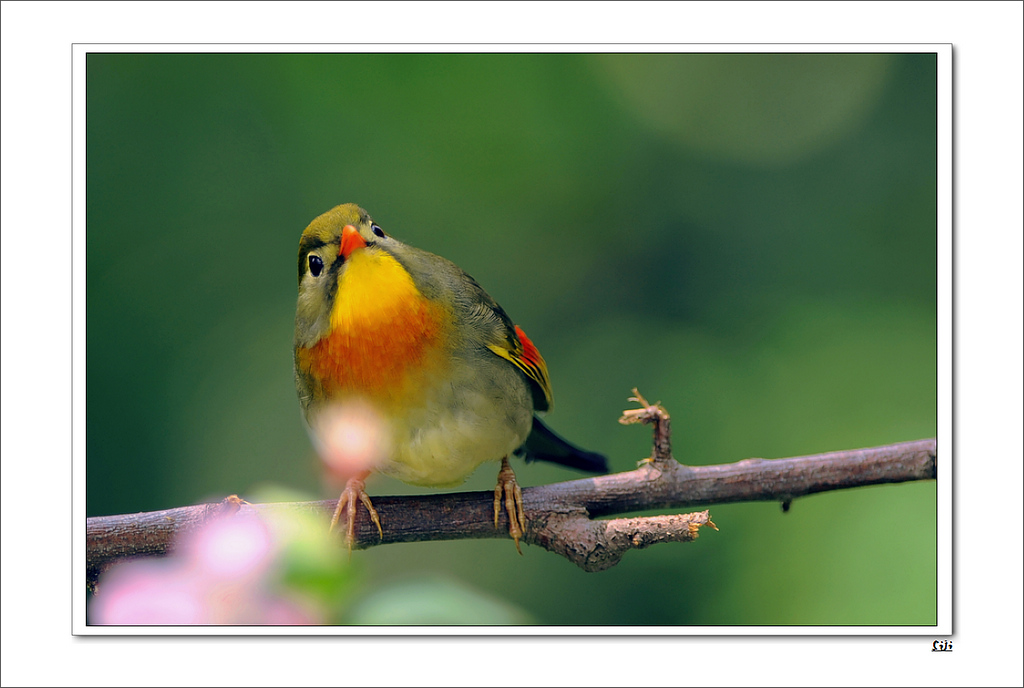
[
  {"x": 656, "y": 415},
  {"x": 560, "y": 515}
]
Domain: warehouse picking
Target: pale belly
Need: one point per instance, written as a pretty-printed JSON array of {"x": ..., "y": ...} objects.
[
  {"x": 453, "y": 429},
  {"x": 443, "y": 448}
]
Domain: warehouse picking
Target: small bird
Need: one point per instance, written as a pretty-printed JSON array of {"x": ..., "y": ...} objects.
[{"x": 431, "y": 368}]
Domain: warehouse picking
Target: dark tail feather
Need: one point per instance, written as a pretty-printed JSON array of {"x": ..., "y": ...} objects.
[{"x": 544, "y": 445}]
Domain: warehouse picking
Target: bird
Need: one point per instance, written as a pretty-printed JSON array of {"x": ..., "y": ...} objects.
[{"x": 428, "y": 365}]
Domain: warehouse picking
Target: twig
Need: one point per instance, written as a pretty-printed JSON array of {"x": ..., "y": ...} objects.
[
  {"x": 656, "y": 415},
  {"x": 560, "y": 515}
]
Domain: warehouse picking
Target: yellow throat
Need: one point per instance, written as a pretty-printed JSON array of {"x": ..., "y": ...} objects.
[{"x": 385, "y": 338}]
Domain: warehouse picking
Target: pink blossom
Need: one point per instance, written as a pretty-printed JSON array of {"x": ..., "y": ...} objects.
[{"x": 219, "y": 574}]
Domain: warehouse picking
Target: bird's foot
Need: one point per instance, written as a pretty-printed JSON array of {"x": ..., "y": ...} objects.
[
  {"x": 508, "y": 489},
  {"x": 355, "y": 490}
]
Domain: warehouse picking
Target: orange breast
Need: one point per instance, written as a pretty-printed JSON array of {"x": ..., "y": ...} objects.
[{"x": 386, "y": 341}]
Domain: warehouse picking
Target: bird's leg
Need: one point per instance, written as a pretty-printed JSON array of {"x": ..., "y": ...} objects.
[
  {"x": 509, "y": 488},
  {"x": 355, "y": 489}
]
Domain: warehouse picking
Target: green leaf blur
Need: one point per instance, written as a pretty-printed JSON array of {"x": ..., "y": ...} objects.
[{"x": 750, "y": 239}]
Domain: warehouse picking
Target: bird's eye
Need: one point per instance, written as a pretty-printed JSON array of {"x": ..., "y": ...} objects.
[
  {"x": 316, "y": 265},
  {"x": 378, "y": 231}
]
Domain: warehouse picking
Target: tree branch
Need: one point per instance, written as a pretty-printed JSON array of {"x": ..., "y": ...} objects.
[{"x": 560, "y": 515}]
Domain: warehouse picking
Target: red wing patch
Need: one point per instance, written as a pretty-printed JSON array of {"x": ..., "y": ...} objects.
[
  {"x": 530, "y": 353},
  {"x": 524, "y": 355},
  {"x": 532, "y": 363}
]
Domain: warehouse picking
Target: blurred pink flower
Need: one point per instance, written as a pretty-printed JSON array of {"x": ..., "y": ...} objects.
[
  {"x": 219, "y": 574},
  {"x": 350, "y": 438},
  {"x": 231, "y": 548},
  {"x": 148, "y": 591}
]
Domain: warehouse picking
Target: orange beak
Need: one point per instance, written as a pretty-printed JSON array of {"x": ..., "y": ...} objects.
[{"x": 350, "y": 241}]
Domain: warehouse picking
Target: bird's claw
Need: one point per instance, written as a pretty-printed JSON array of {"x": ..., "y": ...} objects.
[
  {"x": 508, "y": 490},
  {"x": 355, "y": 489}
]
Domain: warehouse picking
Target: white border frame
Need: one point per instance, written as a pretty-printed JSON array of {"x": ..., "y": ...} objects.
[{"x": 944, "y": 409}]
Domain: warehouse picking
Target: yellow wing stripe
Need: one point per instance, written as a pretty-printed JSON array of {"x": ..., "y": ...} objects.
[{"x": 535, "y": 370}]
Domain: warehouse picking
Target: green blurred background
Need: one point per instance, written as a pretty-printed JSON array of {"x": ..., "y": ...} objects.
[{"x": 748, "y": 238}]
